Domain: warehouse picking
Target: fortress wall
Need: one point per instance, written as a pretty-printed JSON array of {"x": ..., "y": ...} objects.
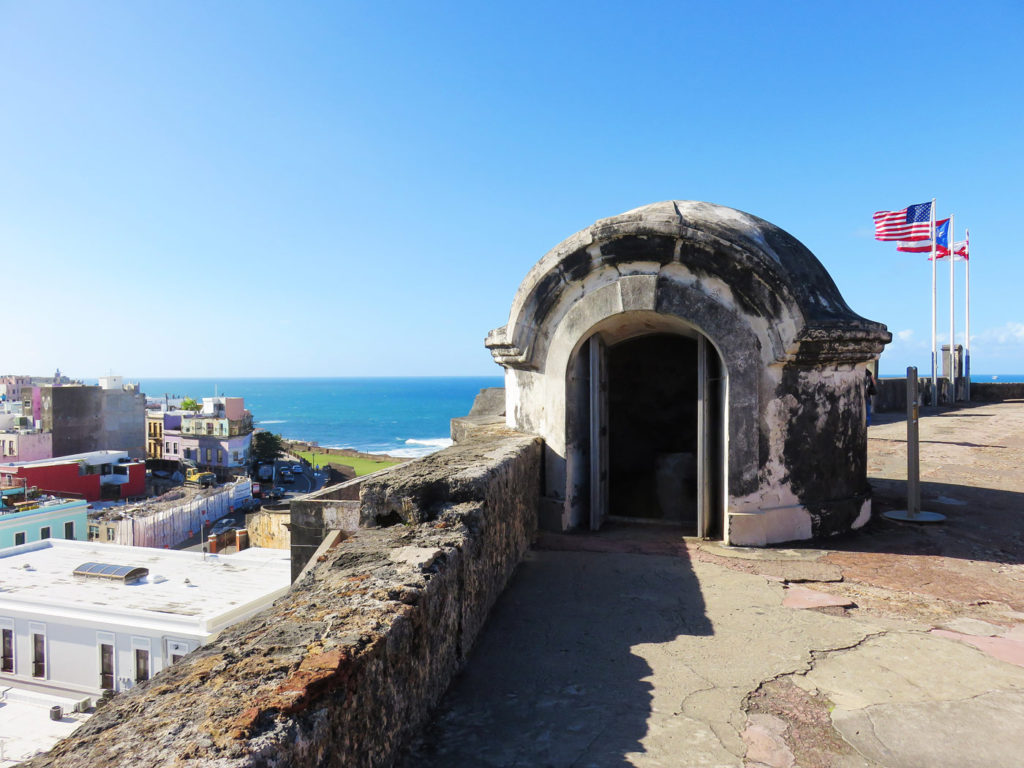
[
  {"x": 268, "y": 528},
  {"x": 345, "y": 668},
  {"x": 892, "y": 392}
]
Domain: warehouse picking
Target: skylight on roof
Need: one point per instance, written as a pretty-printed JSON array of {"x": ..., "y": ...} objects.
[{"x": 128, "y": 574}]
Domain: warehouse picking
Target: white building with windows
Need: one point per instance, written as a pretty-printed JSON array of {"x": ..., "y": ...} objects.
[{"x": 78, "y": 618}]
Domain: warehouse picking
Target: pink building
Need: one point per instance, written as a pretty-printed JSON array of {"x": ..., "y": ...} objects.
[
  {"x": 18, "y": 445},
  {"x": 11, "y": 386}
]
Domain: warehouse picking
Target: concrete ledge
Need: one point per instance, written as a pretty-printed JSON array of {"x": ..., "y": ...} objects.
[{"x": 346, "y": 667}]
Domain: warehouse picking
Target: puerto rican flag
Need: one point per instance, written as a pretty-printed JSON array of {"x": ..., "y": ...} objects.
[{"x": 925, "y": 246}]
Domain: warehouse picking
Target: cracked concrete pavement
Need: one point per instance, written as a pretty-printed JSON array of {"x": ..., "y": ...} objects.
[{"x": 896, "y": 646}]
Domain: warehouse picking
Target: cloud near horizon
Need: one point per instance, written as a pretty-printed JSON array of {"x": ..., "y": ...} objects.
[{"x": 1007, "y": 333}]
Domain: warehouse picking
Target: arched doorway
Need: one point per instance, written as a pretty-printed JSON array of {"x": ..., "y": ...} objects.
[{"x": 648, "y": 431}]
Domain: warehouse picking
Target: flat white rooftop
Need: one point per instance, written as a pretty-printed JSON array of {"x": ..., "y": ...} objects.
[
  {"x": 25, "y": 725},
  {"x": 183, "y": 592}
]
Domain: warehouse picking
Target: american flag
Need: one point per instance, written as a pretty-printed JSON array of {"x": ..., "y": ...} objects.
[
  {"x": 911, "y": 223},
  {"x": 925, "y": 246}
]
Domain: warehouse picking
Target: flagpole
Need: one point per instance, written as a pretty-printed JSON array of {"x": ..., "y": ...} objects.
[
  {"x": 967, "y": 331},
  {"x": 935, "y": 381},
  {"x": 952, "y": 317}
]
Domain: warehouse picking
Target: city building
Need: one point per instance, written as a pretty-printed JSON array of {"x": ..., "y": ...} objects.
[
  {"x": 216, "y": 438},
  {"x": 94, "y": 476},
  {"x": 24, "y": 522},
  {"x": 11, "y": 386},
  {"x": 154, "y": 434},
  {"x": 162, "y": 413},
  {"x": 20, "y": 438},
  {"x": 79, "y": 618},
  {"x": 111, "y": 416}
]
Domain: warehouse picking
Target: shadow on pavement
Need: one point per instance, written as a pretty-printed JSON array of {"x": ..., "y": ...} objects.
[
  {"x": 553, "y": 679},
  {"x": 981, "y": 523}
]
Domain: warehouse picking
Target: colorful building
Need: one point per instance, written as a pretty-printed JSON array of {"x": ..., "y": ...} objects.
[
  {"x": 20, "y": 439},
  {"x": 11, "y": 386},
  {"x": 25, "y": 445},
  {"x": 22, "y": 522},
  {"x": 216, "y": 438},
  {"x": 92, "y": 476}
]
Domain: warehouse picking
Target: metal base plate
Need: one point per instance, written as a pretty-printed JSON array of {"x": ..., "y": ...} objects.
[{"x": 921, "y": 517}]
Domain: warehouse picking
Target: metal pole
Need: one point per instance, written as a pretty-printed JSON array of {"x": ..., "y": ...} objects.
[
  {"x": 952, "y": 317},
  {"x": 935, "y": 380},
  {"x": 913, "y": 513},
  {"x": 967, "y": 330}
]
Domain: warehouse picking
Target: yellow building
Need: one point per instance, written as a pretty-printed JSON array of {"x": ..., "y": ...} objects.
[{"x": 154, "y": 434}]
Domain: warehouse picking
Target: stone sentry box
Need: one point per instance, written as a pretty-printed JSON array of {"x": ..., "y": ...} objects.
[{"x": 691, "y": 363}]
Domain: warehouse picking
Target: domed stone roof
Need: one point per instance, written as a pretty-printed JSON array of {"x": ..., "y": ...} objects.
[{"x": 767, "y": 272}]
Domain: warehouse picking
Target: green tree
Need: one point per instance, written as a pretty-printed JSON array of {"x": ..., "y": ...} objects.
[
  {"x": 266, "y": 446},
  {"x": 191, "y": 404}
]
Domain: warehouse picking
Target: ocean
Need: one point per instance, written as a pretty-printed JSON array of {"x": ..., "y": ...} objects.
[
  {"x": 976, "y": 378},
  {"x": 406, "y": 417},
  {"x": 399, "y": 416}
]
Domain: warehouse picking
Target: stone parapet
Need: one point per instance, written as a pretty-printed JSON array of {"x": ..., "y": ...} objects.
[{"x": 345, "y": 668}]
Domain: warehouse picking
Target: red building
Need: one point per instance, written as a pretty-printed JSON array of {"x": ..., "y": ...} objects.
[{"x": 93, "y": 476}]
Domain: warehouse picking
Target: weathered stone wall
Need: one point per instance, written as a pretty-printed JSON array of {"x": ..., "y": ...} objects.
[
  {"x": 335, "y": 507},
  {"x": 996, "y": 391},
  {"x": 345, "y": 668},
  {"x": 268, "y": 528},
  {"x": 891, "y": 393}
]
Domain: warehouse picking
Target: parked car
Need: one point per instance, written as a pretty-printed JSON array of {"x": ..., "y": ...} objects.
[
  {"x": 296, "y": 469},
  {"x": 285, "y": 476},
  {"x": 224, "y": 525},
  {"x": 277, "y": 492}
]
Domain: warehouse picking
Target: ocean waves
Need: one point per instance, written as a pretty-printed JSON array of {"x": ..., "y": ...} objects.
[{"x": 415, "y": 448}]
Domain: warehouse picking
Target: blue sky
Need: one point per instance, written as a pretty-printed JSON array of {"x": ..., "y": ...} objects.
[{"x": 348, "y": 189}]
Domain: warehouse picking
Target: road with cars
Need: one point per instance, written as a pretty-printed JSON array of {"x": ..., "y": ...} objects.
[
  {"x": 290, "y": 479},
  {"x": 293, "y": 479}
]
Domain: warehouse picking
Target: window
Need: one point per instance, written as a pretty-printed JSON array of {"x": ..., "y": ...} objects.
[
  {"x": 38, "y": 654},
  {"x": 7, "y": 655},
  {"x": 176, "y": 649},
  {"x": 208, "y": 455},
  {"x": 235, "y": 456},
  {"x": 110, "y": 533},
  {"x": 220, "y": 457},
  {"x": 19, "y": 538},
  {"x": 175, "y": 448},
  {"x": 94, "y": 532},
  {"x": 167, "y": 446},
  {"x": 69, "y": 529},
  {"x": 141, "y": 664},
  {"x": 44, "y": 532},
  {"x": 107, "y": 666}
]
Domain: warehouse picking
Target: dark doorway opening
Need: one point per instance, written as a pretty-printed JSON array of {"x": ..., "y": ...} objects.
[{"x": 653, "y": 429}]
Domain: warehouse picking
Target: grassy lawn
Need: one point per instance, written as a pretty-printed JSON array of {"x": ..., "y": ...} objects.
[{"x": 361, "y": 466}]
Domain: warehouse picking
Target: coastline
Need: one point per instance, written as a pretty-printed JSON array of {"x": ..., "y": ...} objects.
[
  {"x": 342, "y": 463},
  {"x": 295, "y": 446}
]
